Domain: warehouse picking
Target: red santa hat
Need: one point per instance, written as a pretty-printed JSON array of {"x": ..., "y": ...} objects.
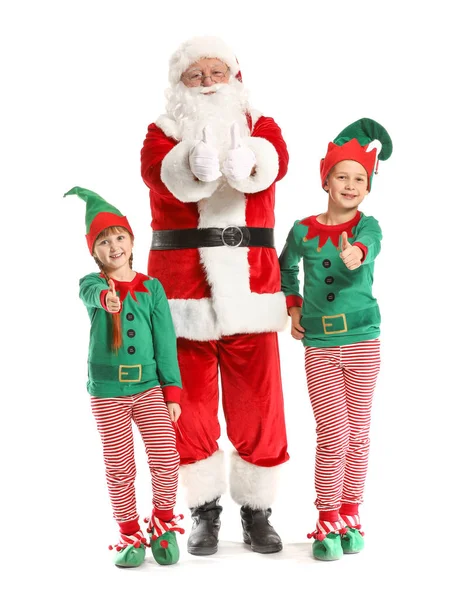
[{"x": 201, "y": 47}]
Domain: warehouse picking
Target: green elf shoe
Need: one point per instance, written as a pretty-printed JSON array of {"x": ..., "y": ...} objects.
[
  {"x": 130, "y": 551},
  {"x": 165, "y": 548},
  {"x": 328, "y": 548},
  {"x": 327, "y": 536},
  {"x": 163, "y": 540},
  {"x": 130, "y": 556},
  {"x": 352, "y": 541}
]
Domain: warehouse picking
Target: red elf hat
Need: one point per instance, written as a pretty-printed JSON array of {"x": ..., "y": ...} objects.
[{"x": 364, "y": 141}]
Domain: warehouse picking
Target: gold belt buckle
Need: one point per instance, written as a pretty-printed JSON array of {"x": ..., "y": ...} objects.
[
  {"x": 126, "y": 377},
  {"x": 330, "y": 322}
]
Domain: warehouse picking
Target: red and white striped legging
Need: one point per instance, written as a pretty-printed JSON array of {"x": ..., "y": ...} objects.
[
  {"x": 114, "y": 421},
  {"x": 341, "y": 381}
]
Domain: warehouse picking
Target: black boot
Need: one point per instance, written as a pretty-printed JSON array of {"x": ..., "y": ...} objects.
[
  {"x": 258, "y": 532},
  {"x": 203, "y": 539}
]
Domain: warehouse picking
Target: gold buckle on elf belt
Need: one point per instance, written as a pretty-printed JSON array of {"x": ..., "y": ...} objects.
[
  {"x": 335, "y": 323},
  {"x": 129, "y": 374}
]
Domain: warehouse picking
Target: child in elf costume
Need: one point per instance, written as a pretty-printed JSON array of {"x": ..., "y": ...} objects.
[
  {"x": 338, "y": 320},
  {"x": 133, "y": 375}
]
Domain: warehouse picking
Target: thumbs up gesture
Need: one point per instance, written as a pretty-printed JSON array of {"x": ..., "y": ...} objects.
[
  {"x": 351, "y": 255},
  {"x": 112, "y": 300},
  {"x": 204, "y": 159},
  {"x": 240, "y": 159}
]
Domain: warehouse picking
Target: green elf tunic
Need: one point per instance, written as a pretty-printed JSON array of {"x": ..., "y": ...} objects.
[
  {"x": 338, "y": 307},
  {"x": 148, "y": 356}
]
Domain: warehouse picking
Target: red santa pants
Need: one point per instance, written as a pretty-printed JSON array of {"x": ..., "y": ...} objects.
[
  {"x": 252, "y": 398},
  {"x": 341, "y": 382},
  {"x": 114, "y": 422}
]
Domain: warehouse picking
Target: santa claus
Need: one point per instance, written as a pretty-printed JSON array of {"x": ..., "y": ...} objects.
[{"x": 211, "y": 164}]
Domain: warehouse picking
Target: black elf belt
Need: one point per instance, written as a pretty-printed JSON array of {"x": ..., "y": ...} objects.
[{"x": 232, "y": 236}]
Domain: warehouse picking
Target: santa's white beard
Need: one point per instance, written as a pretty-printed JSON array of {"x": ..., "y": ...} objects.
[{"x": 193, "y": 110}]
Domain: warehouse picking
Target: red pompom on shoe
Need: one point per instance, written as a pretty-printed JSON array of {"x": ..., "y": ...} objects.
[{"x": 317, "y": 535}]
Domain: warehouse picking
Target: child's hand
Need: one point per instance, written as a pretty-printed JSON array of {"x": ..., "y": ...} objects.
[
  {"x": 297, "y": 331},
  {"x": 351, "y": 255},
  {"x": 112, "y": 300},
  {"x": 174, "y": 411}
]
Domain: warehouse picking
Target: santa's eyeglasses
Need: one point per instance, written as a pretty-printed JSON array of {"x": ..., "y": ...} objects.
[{"x": 196, "y": 77}]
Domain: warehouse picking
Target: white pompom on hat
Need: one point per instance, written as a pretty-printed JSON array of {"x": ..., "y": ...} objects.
[{"x": 201, "y": 47}]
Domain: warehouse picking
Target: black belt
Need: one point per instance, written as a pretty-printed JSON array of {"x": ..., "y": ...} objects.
[{"x": 233, "y": 236}]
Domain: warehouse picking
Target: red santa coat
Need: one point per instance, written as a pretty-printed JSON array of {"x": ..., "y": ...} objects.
[{"x": 223, "y": 290}]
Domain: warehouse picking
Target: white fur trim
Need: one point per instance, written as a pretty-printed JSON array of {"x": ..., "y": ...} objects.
[
  {"x": 255, "y": 115},
  {"x": 169, "y": 126},
  {"x": 196, "y": 48},
  {"x": 252, "y": 485},
  {"x": 210, "y": 319},
  {"x": 178, "y": 177},
  {"x": 204, "y": 480},
  {"x": 228, "y": 274},
  {"x": 255, "y": 313},
  {"x": 266, "y": 167},
  {"x": 374, "y": 144},
  {"x": 195, "y": 319},
  {"x": 223, "y": 208}
]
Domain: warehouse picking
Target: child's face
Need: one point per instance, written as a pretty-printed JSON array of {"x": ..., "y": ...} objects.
[
  {"x": 347, "y": 184},
  {"x": 114, "y": 250}
]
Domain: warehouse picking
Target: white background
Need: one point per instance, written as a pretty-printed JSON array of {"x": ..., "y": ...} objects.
[{"x": 81, "y": 82}]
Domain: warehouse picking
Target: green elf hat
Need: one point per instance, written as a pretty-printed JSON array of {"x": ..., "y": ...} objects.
[
  {"x": 99, "y": 215},
  {"x": 364, "y": 141}
]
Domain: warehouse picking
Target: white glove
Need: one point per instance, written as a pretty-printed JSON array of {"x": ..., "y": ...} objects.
[
  {"x": 204, "y": 160},
  {"x": 240, "y": 160}
]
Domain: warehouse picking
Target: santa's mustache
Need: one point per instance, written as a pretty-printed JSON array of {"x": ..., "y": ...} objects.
[{"x": 216, "y": 87}]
